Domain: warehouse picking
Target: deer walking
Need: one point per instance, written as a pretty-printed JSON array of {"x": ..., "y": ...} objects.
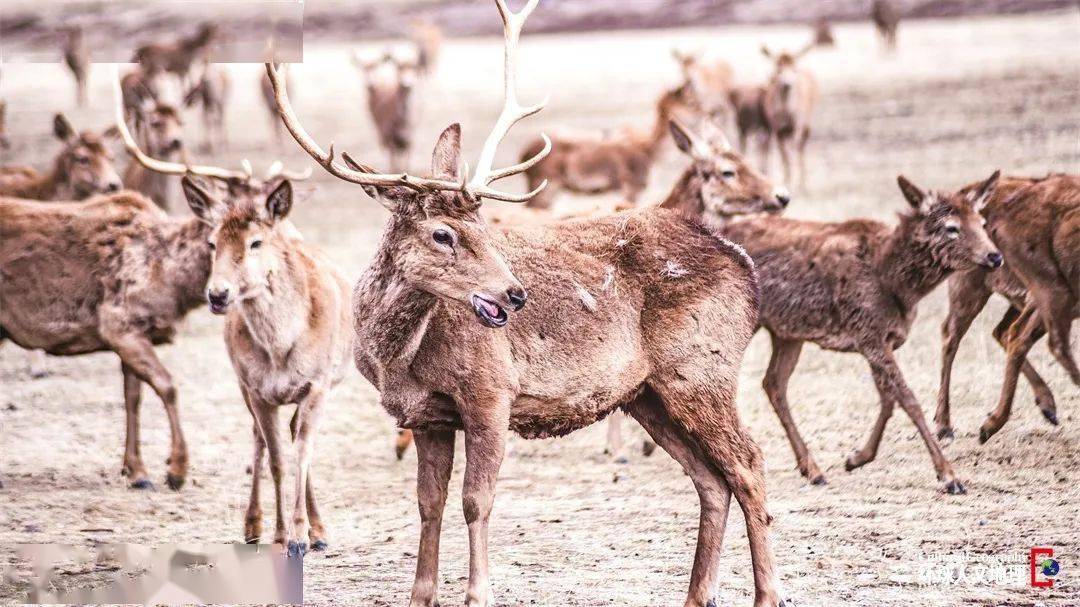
[
  {"x": 390, "y": 82},
  {"x": 788, "y": 103},
  {"x": 77, "y": 59},
  {"x": 886, "y": 20},
  {"x": 854, "y": 286},
  {"x": 1036, "y": 224},
  {"x": 434, "y": 335}
]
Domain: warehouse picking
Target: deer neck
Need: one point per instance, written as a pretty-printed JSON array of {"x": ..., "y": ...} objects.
[
  {"x": 278, "y": 315},
  {"x": 47, "y": 186},
  {"x": 660, "y": 127},
  {"x": 908, "y": 265},
  {"x": 186, "y": 262},
  {"x": 686, "y": 195}
]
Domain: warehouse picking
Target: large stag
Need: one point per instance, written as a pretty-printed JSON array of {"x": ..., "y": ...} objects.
[
  {"x": 1036, "y": 224},
  {"x": 669, "y": 310},
  {"x": 855, "y": 286}
]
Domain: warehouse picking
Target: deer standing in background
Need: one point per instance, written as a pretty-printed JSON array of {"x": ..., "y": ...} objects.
[
  {"x": 178, "y": 56},
  {"x": 1036, "y": 224},
  {"x": 854, "y": 286},
  {"x": 434, "y": 335},
  {"x": 823, "y": 34},
  {"x": 788, "y": 104},
  {"x": 390, "y": 82},
  {"x": 83, "y": 167},
  {"x": 886, "y": 19},
  {"x": 710, "y": 83},
  {"x": 595, "y": 165},
  {"x": 211, "y": 93},
  {"x": 162, "y": 138},
  {"x": 77, "y": 58},
  {"x": 140, "y": 94},
  {"x": 426, "y": 37}
]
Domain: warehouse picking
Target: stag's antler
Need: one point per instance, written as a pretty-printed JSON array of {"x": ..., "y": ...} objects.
[{"x": 478, "y": 186}]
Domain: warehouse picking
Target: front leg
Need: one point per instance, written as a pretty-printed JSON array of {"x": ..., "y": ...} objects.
[
  {"x": 435, "y": 462},
  {"x": 486, "y": 425}
]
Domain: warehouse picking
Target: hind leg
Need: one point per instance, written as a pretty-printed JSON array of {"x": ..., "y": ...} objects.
[
  {"x": 712, "y": 492},
  {"x": 1022, "y": 334},
  {"x": 1056, "y": 306},
  {"x": 1044, "y": 398},
  {"x": 614, "y": 447}
]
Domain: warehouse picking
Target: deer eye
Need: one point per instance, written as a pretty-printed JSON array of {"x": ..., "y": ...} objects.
[
  {"x": 255, "y": 244},
  {"x": 82, "y": 160},
  {"x": 213, "y": 247},
  {"x": 443, "y": 237},
  {"x": 729, "y": 174},
  {"x": 952, "y": 231}
]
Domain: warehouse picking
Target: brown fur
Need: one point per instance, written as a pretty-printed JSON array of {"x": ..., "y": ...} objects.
[
  {"x": 83, "y": 167},
  {"x": 288, "y": 329},
  {"x": 77, "y": 59},
  {"x": 788, "y": 102},
  {"x": 390, "y": 83},
  {"x": 111, "y": 273},
  {"x": 161, "y": 138},
  {"x": 1036, "y": 224},
  {"x": 140, "y": 94},
  {"x": 597, "y": 165},
  {"x": 854, "y": 286},
  {"x": 886, "y": 19},
  {"x": 710, "y": 82},
  {"x": 823, "y": 34},
  {"x": 4, "y": 142},
  {"x": 177, "y": 56},
  {"x": 427, "y": 38}
]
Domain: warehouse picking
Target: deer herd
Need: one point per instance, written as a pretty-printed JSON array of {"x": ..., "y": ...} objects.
[{"x": 532, "y": 324}]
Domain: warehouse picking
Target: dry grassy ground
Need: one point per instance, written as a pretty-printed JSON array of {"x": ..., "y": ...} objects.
[{"x": 961, "y": 98}]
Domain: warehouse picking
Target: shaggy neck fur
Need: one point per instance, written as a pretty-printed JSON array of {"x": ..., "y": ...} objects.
[
  {"x": 187, "y": 262},
  {"x": 909, "y": 266},
  {"x": 686, "y": 195}
]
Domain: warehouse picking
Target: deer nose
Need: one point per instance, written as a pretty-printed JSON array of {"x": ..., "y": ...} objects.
[
  {"x": 517, "y": 297},
  {"x": 218, "y": 300},
  {"x": 994, "y": 259},
  {"x": 782, "y": 196},
  {"x": 113, "y": 186}
]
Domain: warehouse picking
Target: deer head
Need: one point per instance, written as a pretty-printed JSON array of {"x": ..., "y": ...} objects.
[
  {"x": 951, "y": 225},
  {"x": 85, "y": 165},
  {"x": 436, "y": 238},
  {"x": 163, "y": 131},
  {"x": 729, "y": 186},
  {"x": 785, "y": 63}
]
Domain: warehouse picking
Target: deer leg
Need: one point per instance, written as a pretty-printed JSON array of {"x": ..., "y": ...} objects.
[
  {"x": 133, "y": 467},
  {"x": 307, "y": 424},
  {"x": 893, "y": 389},
  {"x": 35, "y": 364},
  {"x": 785, "y": 355},
  {"x": 1056, "y": 306},
  {"x": 614, "y": 438},
  {"x": 1044, "y": 398},
  {"x": 137, "y": 353},
  {"x": 316, "y": 530},
  {"x": 783, "y": 144},
  {"x": 804, "y": 136},
  {"x": 434, "y": 463},
  {"x": 967, "y": 297},
  {"x": 266, "y": 418},
  {"x": 764, "y": 145},
  {"x": 485, "y": 444},
  {"x": 714, "y": 495},
  {"x": 1022, "y": 334},
  {"x": 254, "y": 514},
  {"x": 402, "y": 442},
  {"x": 861, "y": 457}
]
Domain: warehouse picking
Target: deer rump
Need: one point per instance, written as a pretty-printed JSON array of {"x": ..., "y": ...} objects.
[
  {"x": 57, "y": 267},
  {"x": 611, "y": 300}
]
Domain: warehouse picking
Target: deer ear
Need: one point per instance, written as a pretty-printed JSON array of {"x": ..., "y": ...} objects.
[
  {"x": 390, "y": 197},
  {"x": 113, "y": 132},
  {"x": 279, "y": 202},
  {"x": 201, "y": 202},
  {"x": 62, "y": 128},
  {"x": 912, "y": 193},
  {"x": 981, "y": 195},
  {"x": 681, "y": 137},
  {"x": 765, "y": 51},
  {"x": 447, "y": 155}
]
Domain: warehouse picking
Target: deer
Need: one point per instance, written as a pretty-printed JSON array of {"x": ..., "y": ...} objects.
[
  {"x": 854, "y": 286},
  {"x": 163, "y": 138},
  {"x": 426, "y": 37},
  {"x": 748, "y": 105},
  {"x": 77, "y": 59},
  {"x": 788, "y": 103},
  {"x": 211, "y": 92},
  {"x": 390, "y": 82},
  {"x": 178, "y": 56},
  {"x": 886, "y": 20},
  {"x": 620, "y": 161},
  {"x": 823, "y": 34},
  {"x": 1036, "y": 224},
  {"x": 433, "y": 334},
  {"x": 140, "y": 94},
  {"x": 709, "y": 81}
]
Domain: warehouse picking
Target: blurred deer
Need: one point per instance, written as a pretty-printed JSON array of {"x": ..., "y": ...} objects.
[
  {"x": 710, "y": 82},
  {"x": 178, "y": 56},
  {"x": 823, "y": 34},
  {"x": 82, "y": 168},
  {"x": 663, "y": 341},
  {"x": 1036, "y": 224},
  {"x": 4, "y": 143},
  {"x": 211, "y": 93},
  {"x": 886, "y": 19},
  {"x": 267, "y": 90},
  {"x": 161, "y": 136},
  {"x": 77, "y": 58},
  {"x": 140, "y": 94},
  {"x": 748, "y": 105},
  {"x": 390, "y": 82},
  {"x": 788, "y": 103},
  {"x": 427, "y": 38}
]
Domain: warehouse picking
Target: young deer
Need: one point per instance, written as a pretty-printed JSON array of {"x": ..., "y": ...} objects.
[
  {"x": 597, "y": 165},
  {"x": 83, "y": 167},
  {"x": 1036, "y": 224},
  {"x": 788, "y": 103},
  {"x": 390, "y": 82},
  {"x": 886, "y": 19},
  {"x": 77, "y": 59},
  {"x": 211, "y": 93},
  {"x": 854, "y": 286},
  {"x": 433, "y": 334},
  {"x": 161, "y": 137},
  {"x": 288, "y": 329},
  {"x": 178, "y": 56}
]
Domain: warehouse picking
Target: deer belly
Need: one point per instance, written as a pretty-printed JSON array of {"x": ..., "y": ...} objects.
[{"x": 539, "y": 416}]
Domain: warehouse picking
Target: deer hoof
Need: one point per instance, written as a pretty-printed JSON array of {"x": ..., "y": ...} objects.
[
  {"x": 297, "y": 548},
  {"x": 319, "y": 546},
  {"x": 711, "y": 603},
  {"x": 946, "y": 433},
  {"x": 985, "y": 434},
  {"x": 819, "y": 480},
  {"x": 143, "y": 484},
  {"x": 955, "y": 487},
  {"x": 648, "y": 448},
  {"x": 175, "y": 482},
  {"x": 1051, "y": 416}
]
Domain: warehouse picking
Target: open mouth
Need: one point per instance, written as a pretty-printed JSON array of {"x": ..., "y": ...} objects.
[
  {"x": 218, "y": 308},
  {"x": 490, "y": 313}
]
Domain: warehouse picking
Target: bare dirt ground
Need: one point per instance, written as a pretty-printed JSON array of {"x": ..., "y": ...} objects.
[{"x": 959, "y": 99}]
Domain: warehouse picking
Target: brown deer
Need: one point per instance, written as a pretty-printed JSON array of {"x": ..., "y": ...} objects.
[
  {"x": 788, "y": 104},
  {"x": 854, "y": 286},
  {"x": 619, "y": 162},
  {"x": 288, "y": 330},
  {"x": 390, "y": 82},
  {"x": 140, "y": 94},
  {"x": 434, "y": 335},
  {"x": 823, "y": 34},
  {"x": 426, "y": 37},
  {"x": 211, "y": 93},
  {"x": 709, "y": 81},
  {"x": 886, "y": 19},
  {"x": 162, "y": 138},
  {"x": 748, "y": 105},
  {"x": 1036, "y": 224},
  {"x": 83, "y": 167},
  {"x": 77, "y": 59},
  {"x": 178, "y": 56}
]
